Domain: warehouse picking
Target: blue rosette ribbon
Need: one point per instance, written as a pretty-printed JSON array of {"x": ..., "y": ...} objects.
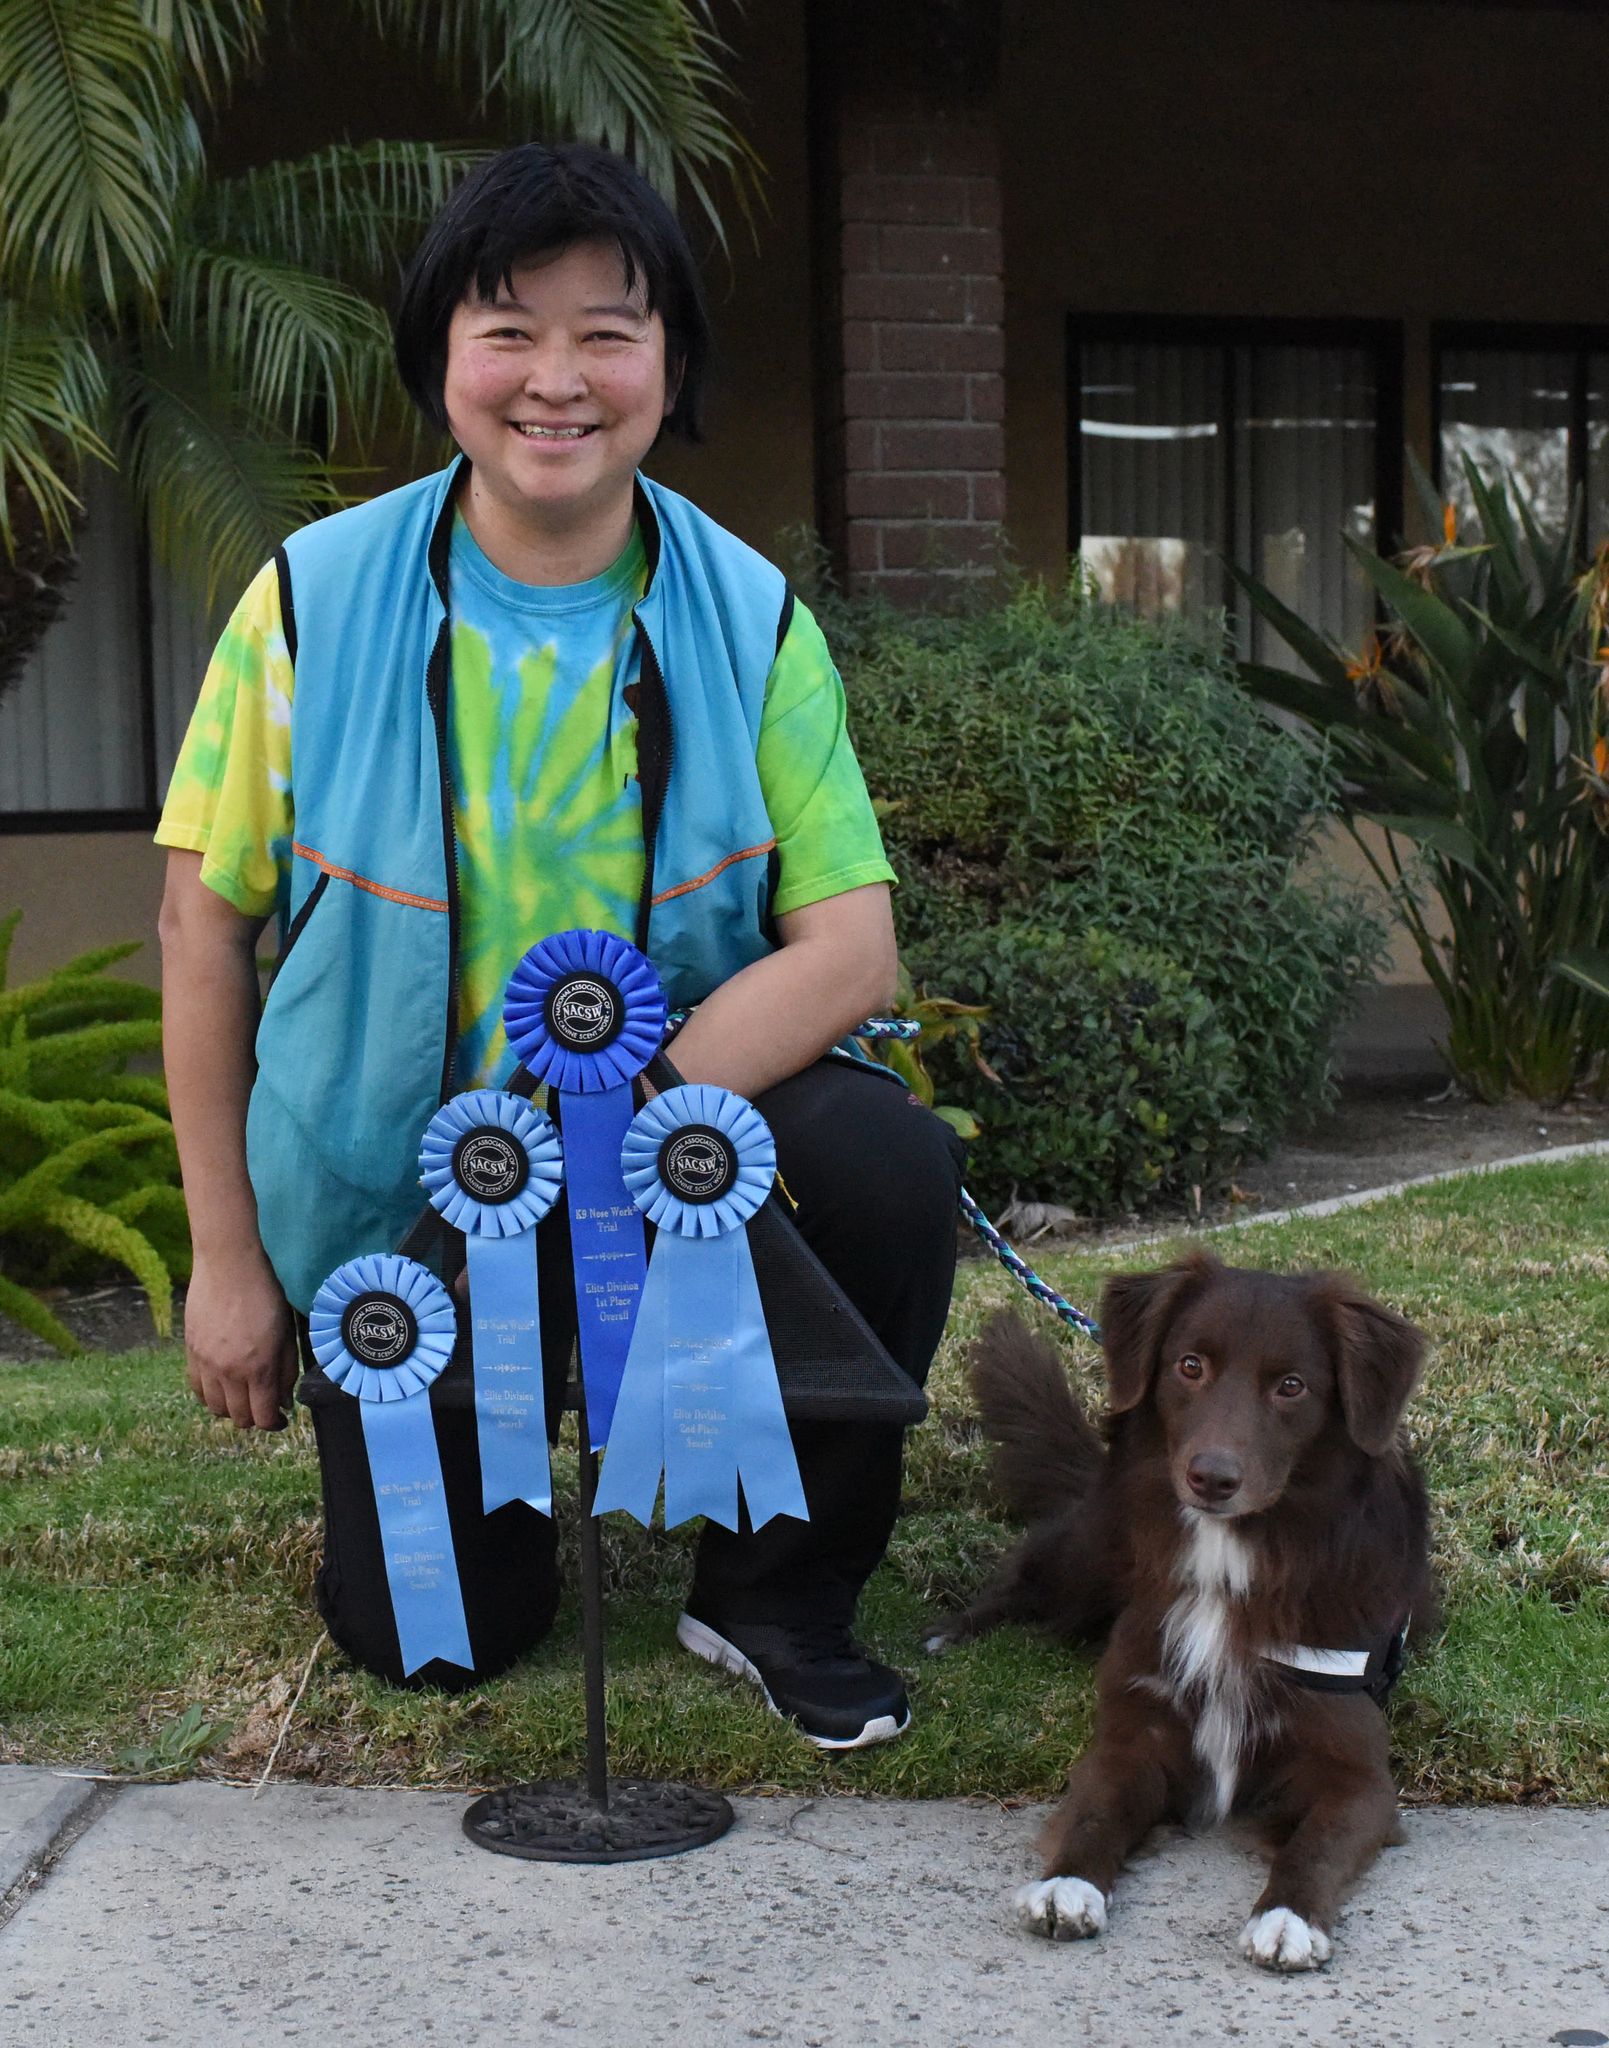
[
  {"x": 382, "y": 1327},
  {"x": 491, "y": 1165},
  {"x": 699, "y": 1398},
  {"x": 585, "y": 1013}
]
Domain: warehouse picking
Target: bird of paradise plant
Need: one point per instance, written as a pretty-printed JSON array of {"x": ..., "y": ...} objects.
[{"x": 1473, "y": 732}]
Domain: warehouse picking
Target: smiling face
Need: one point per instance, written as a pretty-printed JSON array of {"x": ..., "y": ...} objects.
[{"x": 556, "y": 390}]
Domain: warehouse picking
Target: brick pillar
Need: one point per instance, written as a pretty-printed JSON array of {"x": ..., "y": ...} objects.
[{"x": 911, "y": 395}]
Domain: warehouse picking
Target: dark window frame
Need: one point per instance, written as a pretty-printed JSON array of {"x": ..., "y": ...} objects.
[
  {"x": 1577, "y": 339},
  {"x": 1383, "y": 339},
  {"x": 144, "y": 816}
]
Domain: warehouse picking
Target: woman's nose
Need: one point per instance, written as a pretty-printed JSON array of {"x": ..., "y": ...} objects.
[{"x": 554, "y": 373}]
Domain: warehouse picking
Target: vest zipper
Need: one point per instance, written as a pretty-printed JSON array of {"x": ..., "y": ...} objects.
[{"x": 436, "y": 682}]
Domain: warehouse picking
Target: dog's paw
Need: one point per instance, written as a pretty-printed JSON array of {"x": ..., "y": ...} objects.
[
  {"x": 1282, "y": 1940},
  {"x": 1062, "y": 1909},
  {"x": 936, "y": 1644}
]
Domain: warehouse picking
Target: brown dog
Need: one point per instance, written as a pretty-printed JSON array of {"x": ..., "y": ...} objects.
[{"x": 1255, "y": 1537}]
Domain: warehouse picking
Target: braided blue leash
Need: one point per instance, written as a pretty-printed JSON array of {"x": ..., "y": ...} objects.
[
  {"x": 1018, "y": 1267},
  {"x": 907, "y": 1028}
]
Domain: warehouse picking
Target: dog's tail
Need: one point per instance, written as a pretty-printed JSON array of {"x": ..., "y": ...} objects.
[{"x": 1046, "y": 1454}]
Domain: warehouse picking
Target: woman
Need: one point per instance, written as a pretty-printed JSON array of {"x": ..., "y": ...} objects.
[{"x": 535, "y": 692}]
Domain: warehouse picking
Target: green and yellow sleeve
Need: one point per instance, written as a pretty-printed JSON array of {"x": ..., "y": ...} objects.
[
  {"x": 230, "y": 798},
  {"x": 827, "y": 836}
]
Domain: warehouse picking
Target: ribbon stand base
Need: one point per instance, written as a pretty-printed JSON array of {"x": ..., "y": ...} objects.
[{"x": 604, "y": 1820}]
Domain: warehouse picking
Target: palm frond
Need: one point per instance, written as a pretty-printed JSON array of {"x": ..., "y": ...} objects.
[
  {"x": 284, "y": 337},
  {"x": 353, "y": 211},
  {"x": 219, "y": 489},
  {"x": 94, "y": 144},
  {"x": 644, "y": 77},
  {"x": 52, "y": 391},
  {"x": 210, "y": 39}
]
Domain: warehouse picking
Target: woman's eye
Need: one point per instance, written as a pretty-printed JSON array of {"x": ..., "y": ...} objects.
[
  {"x": 1190, "y": 1367},
  {"x": 1290, "y": 1387}
]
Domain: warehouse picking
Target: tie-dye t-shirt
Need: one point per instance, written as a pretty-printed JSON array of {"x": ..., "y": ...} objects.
[{"x": 543, "y": 757}]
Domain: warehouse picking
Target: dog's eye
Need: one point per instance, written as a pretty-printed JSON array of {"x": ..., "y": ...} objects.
[
  {"x": 1290, "y": 1387},
  {"x": 1190, "y": 1367}
]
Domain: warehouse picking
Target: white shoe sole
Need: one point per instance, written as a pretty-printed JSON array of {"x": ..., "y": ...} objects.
[{"x": 704, "y": 1642}]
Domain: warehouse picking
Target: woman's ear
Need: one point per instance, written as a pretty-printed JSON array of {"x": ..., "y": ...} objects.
[
  {"x": 1136, "y": 1309},
  {"x": 1378, "y": 1355}
]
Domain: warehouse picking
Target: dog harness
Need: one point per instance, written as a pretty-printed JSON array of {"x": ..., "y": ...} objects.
[{"x": 1373, "y": 1671}]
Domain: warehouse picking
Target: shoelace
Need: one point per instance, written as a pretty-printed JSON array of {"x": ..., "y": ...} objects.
[{"x": 824, "y": 1642}]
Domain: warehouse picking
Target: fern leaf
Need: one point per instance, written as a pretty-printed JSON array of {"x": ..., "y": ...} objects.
[
  {"x": 23, "y": 1205},
  {"x": 96, "y": 961},
  {"x": 108, "y": 1236},
  {"x": 27, "y": 1309},
  {"x": 53, "y": 1010},
  {"x": 68, "y": 1063}
]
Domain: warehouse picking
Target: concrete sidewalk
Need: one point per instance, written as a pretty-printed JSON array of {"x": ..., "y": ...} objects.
[{"x": 191, "y": 1914}]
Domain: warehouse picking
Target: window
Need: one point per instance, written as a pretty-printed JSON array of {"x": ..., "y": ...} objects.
[
  {"x": 90, "y": 730},
  {"x": 1257, "y": 442},
  {"x": 1533, "y": 401}
]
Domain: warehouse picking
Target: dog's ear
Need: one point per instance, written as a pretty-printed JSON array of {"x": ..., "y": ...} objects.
[
  {"x": 1377, "y": 1359},
  {"x": 1136, "y": 1308}
]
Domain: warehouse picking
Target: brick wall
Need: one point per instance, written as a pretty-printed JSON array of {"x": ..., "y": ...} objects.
[{"x": 919, "y": 440}]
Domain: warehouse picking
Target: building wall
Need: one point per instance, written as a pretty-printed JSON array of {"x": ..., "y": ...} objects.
[
  {"x": 1282, "y": 157},
  {"x": 1300, "y": 158}
]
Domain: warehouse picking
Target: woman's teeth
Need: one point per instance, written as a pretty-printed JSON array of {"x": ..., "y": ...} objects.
[{"x": 550, "y": 433}]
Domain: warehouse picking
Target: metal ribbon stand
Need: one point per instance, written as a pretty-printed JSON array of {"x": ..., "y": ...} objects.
[{"x": 831, "y": 1367}]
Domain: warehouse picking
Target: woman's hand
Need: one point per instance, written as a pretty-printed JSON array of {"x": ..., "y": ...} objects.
[{"x": 239, "y": 1341}]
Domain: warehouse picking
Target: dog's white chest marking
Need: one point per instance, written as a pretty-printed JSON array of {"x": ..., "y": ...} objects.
[{"x": 1200, "y": 1672}]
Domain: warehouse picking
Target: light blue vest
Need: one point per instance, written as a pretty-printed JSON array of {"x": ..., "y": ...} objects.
[{"x": 354, "y": 1053}]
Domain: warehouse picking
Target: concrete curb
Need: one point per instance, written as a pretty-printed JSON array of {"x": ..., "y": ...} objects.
[
  {"x": 1334, "y": 1204},
  {"x": 35, "y": 1808},
  {"x": 1594, "y": 1147}
]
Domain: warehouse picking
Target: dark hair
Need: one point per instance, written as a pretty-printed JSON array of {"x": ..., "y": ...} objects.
[{"x": 543, "y": 197}]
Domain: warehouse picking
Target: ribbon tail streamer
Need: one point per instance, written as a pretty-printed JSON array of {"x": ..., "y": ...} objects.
[
  {"x": 630, "y": 1476},
  {"x": 768, "y": 1464},
  {"x": 607, "y": 1247},
  {"x": 415, "y": 1534},
  {"x": 510, "y": 1406},
  {"x": 701, "y": 1442}
]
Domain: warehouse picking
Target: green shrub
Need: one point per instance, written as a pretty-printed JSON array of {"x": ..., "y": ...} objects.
[
  {"x": 1114, "y": 1073},
  {"x": 1050, "y": 764},
  {"x": 89, "y": 1175}
]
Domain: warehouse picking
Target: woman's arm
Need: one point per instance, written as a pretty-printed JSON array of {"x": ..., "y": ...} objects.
[
  {"x": 240, "y": 1345},
  {"x": 836, "y": 966}
]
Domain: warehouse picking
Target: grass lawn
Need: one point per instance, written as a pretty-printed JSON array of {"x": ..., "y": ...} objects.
[{"x": 152, "y": 1560}]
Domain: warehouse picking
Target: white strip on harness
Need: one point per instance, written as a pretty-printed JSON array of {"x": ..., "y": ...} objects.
[{"x": 1323, "y": 1663}]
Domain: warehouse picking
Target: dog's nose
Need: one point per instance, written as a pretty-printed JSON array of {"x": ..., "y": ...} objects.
[{"x": 1213, "y": 1476}]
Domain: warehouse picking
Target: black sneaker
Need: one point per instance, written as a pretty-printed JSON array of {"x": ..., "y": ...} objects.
[{"x": 812, "y": 1673}]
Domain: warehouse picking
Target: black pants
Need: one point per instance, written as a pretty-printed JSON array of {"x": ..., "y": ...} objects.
[{"x": 874, "y": 1179}]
